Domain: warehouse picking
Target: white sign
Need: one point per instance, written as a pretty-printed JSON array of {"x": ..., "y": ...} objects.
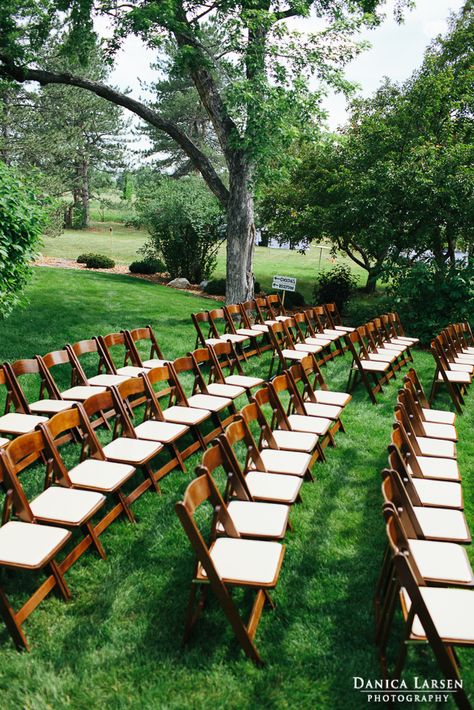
[{"x": 284, "y": 283}]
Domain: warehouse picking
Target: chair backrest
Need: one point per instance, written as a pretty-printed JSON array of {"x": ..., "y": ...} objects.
[
  {"x": 78, "y": 350},
  {"x": 216, "y": 457},
  {"x": 108, "y": 343},
  {"x": 398, "y": 541},
  {"x": 403, "y": 442},
  {"x": 413, "y": 381},
  {"x": 397, "y": 462},
  {"x": 224, "y": 356},
  {"x": 200, "y": 319},
  {"x": 302, "y": 371},
  {"x": 58, "y": 367},
  {"x": 275, "y": 305},
  {"x": 146, "y": 334},
  {"x": 394, "y": 492},
  {"x": 217, "y": 316},
  {"x": 253, "y": 414},
  {"x": 236, "y": 433},
  {"x": 31, "y": 366},
  {"x": 405, "y": 398},
  {"x": 249, "y": 313},
  {"x": 333, "y": 312},
  {"x": 234, "y": 316}
]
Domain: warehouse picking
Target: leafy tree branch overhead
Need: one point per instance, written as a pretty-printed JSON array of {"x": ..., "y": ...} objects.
[{"x": 252, "y": 78}]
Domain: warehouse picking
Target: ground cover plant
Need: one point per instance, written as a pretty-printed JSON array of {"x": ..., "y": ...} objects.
[{"x": 117, "y": 643}]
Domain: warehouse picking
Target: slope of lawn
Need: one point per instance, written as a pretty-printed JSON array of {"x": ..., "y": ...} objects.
[{"x": 117, "y": 643}]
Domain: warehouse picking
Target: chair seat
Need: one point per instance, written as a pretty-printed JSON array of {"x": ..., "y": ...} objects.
[
  {"x": 214, "y": 341},
  {"x": 273, "y": 486},
  {"x": 209, "y": 402},
  {"x": 294, "y": 354},
  {"x": 438, "y": 468},
  {"x": 395, "y": 347},
  {"x": 468, "y": 351},
  {"x": 322, "y": 342},
  {"x": 154, "y": 362},
  {"x": 322, "y": 410},
  {"x": 444, "y": 561},
  {"x": 382, "y": 357},
  {"x": 462, "y": 378},
  {"x": 442, "y": 523},
  {"x": 99, "y": 475},
  {"x": 314, "y": 425},
  {"x": 283, "y": 318},
  {"x": 50, "y": 406},
  {"x": 345, "y": 328},
  {"x": 456, "y": 367},
  {"x": 160, "y": 431},
  {"x": 107, "y": 380},
  {"x": 132, "y": 371},
  {"x": 234, "y": 338},
  {"x": 406, "y": 339},
  {"x": 293, "y": 463},
  {"x": 225, "y": 390},
  {"x": 258, "y": 519},
  {"x": 185, "y": 415},
  {"x": 271, "y": 322},
  {"x": 81, "y": 392},
  {"x": 333, "y": 333},
  {"x": 260, "y": 328},
  {"x": 452, "y": 612},
  {"x": 400, "y": 342},
  {"x": 66, "y": 506},
  {"x": 306, "y": 348},
  {"x": 436, "y": 447},
  {"x": 464, "y": 359},
  {"x": 247, "y": 331},
  {"x": 295, "y": 440},
  {"x": 438, "y": 416},
  {"x": 244, "y": 381},
  {"x": 17, "y": 423},
  {"x": 133, "y": 451},
  {"x": 444, "y": 494},
  {"x": 374, "y": 366},
  {"x": 339, "y": 399},
  {"x": 440, "y": 431},
  {"x": 247, "y": 562},
  {"x": 28, "y": 545},
  {"x": 4, "y": 442}
]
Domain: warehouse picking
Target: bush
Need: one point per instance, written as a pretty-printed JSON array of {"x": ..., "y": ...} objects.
[
  {"x": 335, "y": 286},
  {"x": 293, "y": 299},
  {"x": 186, "y": 226},
  {"x": 147, "y": 266},
  {"x": 216, "y": 287},
  {"x": 98, "y": 261},
  {"x": 82, "y": 258},
  {"x": 22, "y": 220},
  {"x": 428, "y": 297}
]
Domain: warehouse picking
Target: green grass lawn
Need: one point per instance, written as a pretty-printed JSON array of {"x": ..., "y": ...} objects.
[{"x": 117, "y": 643}]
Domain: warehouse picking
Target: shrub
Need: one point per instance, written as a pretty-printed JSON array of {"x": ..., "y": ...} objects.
[
  {"x": 147, "y": 266},
  {"x": 428, "y": 296},
  {"x": 335, "y": 286},
  {"x": 186, "y": 227},
  {"x": 98, "y": 261},
  {"x": 82, "y": 258},
  {"x": 216, "y": 287},
  {"x": 22, "y": 220},
  {"x": 293, "y": 299}
]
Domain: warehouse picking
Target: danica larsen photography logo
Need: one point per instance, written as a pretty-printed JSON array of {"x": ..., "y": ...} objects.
[{"x": 418, "y": 690}]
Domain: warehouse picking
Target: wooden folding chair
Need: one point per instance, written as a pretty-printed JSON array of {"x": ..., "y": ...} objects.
[
  {"x": 376, "y": 353},
  {"x": 372, "y": 373},
  {"x": 335, "y": 319},
  {"x": 251, "y": 319},
  {"x": 30, "y": 547},
  {"x": 49, "y": 397},
  {"x": 201, "y": 321},
  {"x": 388, "y": 335},
  {"x": 275, "y": 307},
  {"x": 381, "y": 343},
  {"x": 283, "y": 350},
  {"x": 452, "y": 355},
  {"x": 18, "y": 421},
  {"x": 237, "y": 325},
  {"x": 118, "y": 346},
  {"x": 227, "y": 562},
  {"x": 252, "y": 519},
  {"x": 56, "y": 504},
  {"x": 323, "y": 323},
  {"x": 425, "y": 445},
  {"x": 429, "y": 414},
  {"x": 206, "y": 382},
  {"x": 443, "y": 618},
  {"x": 266, "y": 315},
  {"x": 399, "y": 331},
  {"x": 420, "y": 425},
  {"x": 317, "y": 402},
  {"x": 309, "y": 335},
  {"x": 59, "y": 362},
  {"x": 225, "y": 358},
  {"x": 85, "y": 349},
  {"x": 455, "y": 381},
  {"x": 428, "y": 467},
  {"x": 139, "y": 336}
]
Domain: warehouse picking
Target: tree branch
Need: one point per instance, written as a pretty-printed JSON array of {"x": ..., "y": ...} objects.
[{"x": 197, "y": 157}]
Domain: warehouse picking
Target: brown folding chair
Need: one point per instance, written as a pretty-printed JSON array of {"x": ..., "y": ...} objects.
[
  {"x": 399, "y": 330},
  {"x": 58, "y": 367},
  {"x": 218, "y": 319},
  {"x": 225, "y": 358},
  {"x": 237, "y": 325},
  {"x": 18, "y": 421},
  {"x": 251, "y": 319},
  {"x": 372, "y": 373},
  {"x": 424, "y": 445},
  {"x": 420, "y": 425},
  {"x": 139, "y": 336},
  {"x": 85, "y": 349},
  {"x": 428, "y": 467},
  {"x": 227, "y": 562},
  {"x": 275, "y": 307},
  {"x": 335, "y": 319},
  {"x": 119, "y": 346},
  {"x": 439, "y": 416},
  {"x": 317, "y": 402},
  {"x": 49, "y": 400},
  {"x": 206, "y": 382},
  {"x": 455, "y": 381}
]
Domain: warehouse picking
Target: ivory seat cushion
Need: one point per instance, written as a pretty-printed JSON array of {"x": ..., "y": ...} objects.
[
  {"x": 345, "y": 328},
  {"x": 185, "y": 415},
  {"x": 436, "y": 447},
  {"x": 339, "y": 399},
  {"x": 442, "y": 523},
  {"x": 17, "y": 423},
  {"x": 81, "y": 392},
  {"x": 294, "y": 354},
  {"x": 314, "y": 425},
  {"x": 51, "y": 406},
  {"x": 283, "y": 318},
  {"x": 433, "y": 467},
  {"x": 273, "y": 486},
  {"x": 244, "y": 381},
  {"x": 295, "y": 440},
  {"x": 131, "y": 370},
  {"x": 401, "y": 342},
  {"x": 406, "y": 339},
  {"x": 258, "y": 519},
  {"x": 253, "y": 562},
  {"x": 382, "y": 357},
  {"x": 395, "y": 347},
  {"x": 107, "y": 380},
  {"x": 160, "y": 431},
  {"x": 99, "y": 475},
  {"x": 209, "y": 402},
  {"x": 221, "y": 390},
  {"x": 30, "y": 545},
  {"x": 306, "y": 348},
  {"x": 67, "y": 506},
  {"x": 438, "y": 416},
  {"x": 322, "y": 342},
  {"x": 3, "y": 441},
  {"x": 442, "y": 561},
  {"x": 260, "y": 328},
  {"x": 452, "y": 612},
  {"x": 133, "y": 451},
  {"x": 468, "y": 351},
  {"x": 464, "y": 359},
  {"x": 334, "y": 333},
  {"x": 440, "y": 431},
  {"x": 271, "y": 322},
  {"x": 374, "y": 366},
  {"x": 247, "y": 331},
  {"x": 328, "y": 411},
  {"x": 462, "y": 378},
  {"x": 154, "y": 362},
  {"x": 214, "y": 341},
  {"x": 455, "y": 367},
  {"x": 293, "y": 463},
  {"x": 235, "y": 338},
  {"x": 444, "y": 494}
]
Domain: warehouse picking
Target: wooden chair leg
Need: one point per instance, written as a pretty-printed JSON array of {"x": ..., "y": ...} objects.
[
  {"x": 148, "y": 472},
  {"x": 9, "y": 617},
  {"x": 126, "y": 508},
  {"x": 60, "y": 581},
  {"x": 88, "y": 529}
]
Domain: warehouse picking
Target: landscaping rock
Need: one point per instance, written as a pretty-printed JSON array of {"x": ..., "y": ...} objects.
[
  {"x": 203, "y": 285},
  {"x": 179, "y": 283}
]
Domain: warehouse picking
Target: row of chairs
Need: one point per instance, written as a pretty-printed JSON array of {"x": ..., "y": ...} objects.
[
  {"x": 453, "y": 352},
  {"x": 265, "y": 460},
  {"x": 77, "y": 486},
  {"x": 425, "y": 564}
]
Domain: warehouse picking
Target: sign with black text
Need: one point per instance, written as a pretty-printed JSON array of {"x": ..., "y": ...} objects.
[{"x": 284, "y": 283}]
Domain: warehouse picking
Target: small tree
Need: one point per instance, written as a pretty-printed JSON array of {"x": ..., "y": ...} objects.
[
  {"x": 22, "y": 219},
  {"x": 186, "y": 226}
]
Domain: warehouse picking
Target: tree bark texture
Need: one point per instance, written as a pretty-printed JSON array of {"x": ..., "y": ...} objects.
[{"x": 240, "y": 238}]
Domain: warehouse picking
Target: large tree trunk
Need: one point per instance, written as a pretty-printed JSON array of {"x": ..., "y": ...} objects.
[
  {"x": 84, "y": 170},
  {"x": 240, "y": 238},
  {"x": 371, "y": 282}
]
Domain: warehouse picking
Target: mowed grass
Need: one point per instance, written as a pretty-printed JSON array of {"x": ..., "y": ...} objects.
[
  {"x": 117, "y": 644},
  {"x": 123, "y": 243}
]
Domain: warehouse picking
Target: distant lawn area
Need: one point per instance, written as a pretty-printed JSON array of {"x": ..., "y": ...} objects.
[
  {"x": 122, "y": 244},
  {"x": 117, "y": 644}
]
